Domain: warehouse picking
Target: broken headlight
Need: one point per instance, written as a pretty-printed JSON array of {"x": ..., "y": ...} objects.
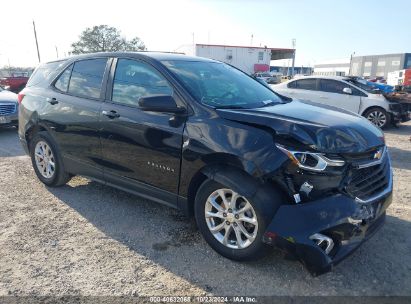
[{"x": 310, "y": 161}]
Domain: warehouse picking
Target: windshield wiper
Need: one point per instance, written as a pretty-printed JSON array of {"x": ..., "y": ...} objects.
[
  {"x": 230, "y": 107},
  {"x": 273, "y": 103}
]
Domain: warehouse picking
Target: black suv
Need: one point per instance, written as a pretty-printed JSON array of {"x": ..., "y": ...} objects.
[{"x": 254, "y": 168}]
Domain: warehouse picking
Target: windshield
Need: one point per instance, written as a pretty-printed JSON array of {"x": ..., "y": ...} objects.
[
  {"x": 221, "y": 86},
  {"x": 363, "y": 84}
]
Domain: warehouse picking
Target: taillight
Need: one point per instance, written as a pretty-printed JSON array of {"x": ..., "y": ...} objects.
[{"x": 20, "y": 97}]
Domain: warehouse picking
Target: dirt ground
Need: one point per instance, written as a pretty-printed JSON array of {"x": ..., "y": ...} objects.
[{"x": 88, "y": 239}]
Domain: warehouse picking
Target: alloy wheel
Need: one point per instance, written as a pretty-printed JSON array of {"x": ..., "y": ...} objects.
[
  {"x": 231, "y": 219},
  {"x": 378, "y": 118},
  {"x": 44, "y": 158}
]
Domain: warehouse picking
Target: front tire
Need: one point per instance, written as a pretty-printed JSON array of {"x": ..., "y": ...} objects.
[
  {"x": 46, "y": 160},
  {"x": 378, "y": 117},
  {"x": 230, "y": 223}
]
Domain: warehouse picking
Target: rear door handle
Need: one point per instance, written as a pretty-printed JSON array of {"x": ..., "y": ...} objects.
[
  {"x": 111, "y": 114},
  {"x": 52, "y": 101}
]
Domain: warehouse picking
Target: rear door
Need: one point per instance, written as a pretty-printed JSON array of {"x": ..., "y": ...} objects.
[
  {"x": 74, "y": 110},
  {"x": 141, "y": 150},
  {"x": 304, "y": 89},
  {"x": 331, "y": 93}
]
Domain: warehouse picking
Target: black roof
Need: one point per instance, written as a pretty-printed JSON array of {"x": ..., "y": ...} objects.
[{"x": 160, "y": 56}]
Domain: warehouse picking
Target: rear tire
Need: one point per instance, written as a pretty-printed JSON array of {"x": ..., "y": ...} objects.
[
  {"x": 46, "y": 160},
  {"x": 245, "y": 229},
  {"x": 378, "y": 117}
]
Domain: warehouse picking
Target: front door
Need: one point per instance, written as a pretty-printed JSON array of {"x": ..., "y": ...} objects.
[
  {"x": 331, "y": 93},
  {"x": 140, "y": 149}
]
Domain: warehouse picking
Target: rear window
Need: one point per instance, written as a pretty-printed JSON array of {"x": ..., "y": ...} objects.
[
  {"x": 86, "y": 78},
  {"x": 43, "y": 71},
  {"x": 306, "y": 84}
]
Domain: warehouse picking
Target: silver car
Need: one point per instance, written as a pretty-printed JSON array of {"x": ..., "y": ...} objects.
[{"x": 8, "y": 108}]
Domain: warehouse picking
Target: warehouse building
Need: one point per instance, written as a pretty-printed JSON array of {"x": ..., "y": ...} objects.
[
  {"x": 249, "y": 59},
  {"x": 379, "y": 65},
  {"x": 286, "y": 70},
  {"x": 337, "y": 67}
]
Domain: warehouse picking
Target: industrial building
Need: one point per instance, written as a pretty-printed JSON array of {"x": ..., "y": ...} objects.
[
  {"x": 337, "y": 67},
  {"x": 379, "y": 65},
  {"x": 286, "y": 70},
  {"x": 249, "y": 59}
]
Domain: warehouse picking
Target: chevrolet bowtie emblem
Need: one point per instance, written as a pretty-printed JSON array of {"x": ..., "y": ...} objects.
[{"x": 378, "y": 154}]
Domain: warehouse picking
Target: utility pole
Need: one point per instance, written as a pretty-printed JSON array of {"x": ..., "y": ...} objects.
[
  {"x": 35, "y": 37},
  {"x": 57, "y": 52},
  {"x": 292, "y": 68},
  {"x": 194, "y": 47},
  {"x": 251, "y": 43},
  {"x": 349, "y": 69}
]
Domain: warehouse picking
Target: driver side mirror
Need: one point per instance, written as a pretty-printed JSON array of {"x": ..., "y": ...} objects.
[
  {"x": 160, "y": 103},
  {"x": 347, "y": 91}
]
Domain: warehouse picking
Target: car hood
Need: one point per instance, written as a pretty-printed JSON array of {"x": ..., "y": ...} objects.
[
  {"x": 7, "y": 96},
  {"x": 321, "y": 128}
]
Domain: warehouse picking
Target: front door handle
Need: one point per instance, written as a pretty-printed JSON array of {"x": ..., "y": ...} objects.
[
  {"x": 52, "y": 101},
  {"x": 111, "y": 114}
]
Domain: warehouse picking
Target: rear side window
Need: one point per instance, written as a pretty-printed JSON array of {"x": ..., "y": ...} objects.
[
  {"x": 292, "y": 84},
  {"x": 332, "y": 86},
  {"x": 134, "y": 79},
  {"x": 87, "y": 77},
  {"x": 306, "y": 84},
  {"x": 63, "y": 81},
  {"x": 43, "y": 71}
]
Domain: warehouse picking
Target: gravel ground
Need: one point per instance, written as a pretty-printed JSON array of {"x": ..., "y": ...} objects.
[{"x": 88, "y": 239}]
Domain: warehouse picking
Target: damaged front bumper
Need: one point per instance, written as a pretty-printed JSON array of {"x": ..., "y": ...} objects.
[
  {"x": 305, "y": 230},
  {"x": 401, "y": 112}
]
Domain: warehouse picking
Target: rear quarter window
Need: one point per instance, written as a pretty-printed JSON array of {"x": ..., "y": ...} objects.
[
  {"x": 43, "y": 72},
  {"x": 292, "y": 84}
]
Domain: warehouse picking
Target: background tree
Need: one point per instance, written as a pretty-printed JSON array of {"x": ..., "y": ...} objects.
[{"x": 104, "y": 38}]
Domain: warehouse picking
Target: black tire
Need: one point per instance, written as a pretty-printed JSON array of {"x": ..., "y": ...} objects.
[
  {"x": 255, "y": 250},
  {"x": 374, "y": 112},
  {"x": 60, "y": 177}
]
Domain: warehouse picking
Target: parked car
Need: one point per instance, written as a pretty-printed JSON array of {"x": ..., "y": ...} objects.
[
  {"x": 254, "y": 168},
  {"x": 267, "y": 77},
  {"x": 8, "y": 108},
  {"x": 285, "y": 78},
  {"x": 14, "y": 83},
  {"x": 349, "y": 94},
  {"x": 375, "y": 87}
]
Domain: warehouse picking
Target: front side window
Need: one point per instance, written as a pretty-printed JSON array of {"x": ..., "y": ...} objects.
[
  {"x": 306, "y": 84},
  {"x": 221, "y": 86},
  {"x": 134, "y": 79},
  {"x": 87, "y": 77},
  {"x": 332, "y": 86}
]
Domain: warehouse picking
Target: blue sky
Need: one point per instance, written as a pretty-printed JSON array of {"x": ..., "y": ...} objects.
[
  {"x": 326, "y": 29},
  {"x": 323, "y": 29}
]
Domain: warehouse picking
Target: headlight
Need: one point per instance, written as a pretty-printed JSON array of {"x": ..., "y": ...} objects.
[{"x": 310, "y": 161}]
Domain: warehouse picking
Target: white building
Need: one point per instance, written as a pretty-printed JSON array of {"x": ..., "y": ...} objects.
[
  {"x": 249, "y": 59},
  {"x": 337, "y": 67}
]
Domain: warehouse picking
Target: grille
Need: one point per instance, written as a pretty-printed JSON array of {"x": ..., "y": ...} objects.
[
  {"x": 367, "y": 182},
  {"x": 6, "y": 109}
]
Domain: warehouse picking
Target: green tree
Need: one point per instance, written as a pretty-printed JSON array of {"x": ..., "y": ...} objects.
[{"x": 104, "y": 38}]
